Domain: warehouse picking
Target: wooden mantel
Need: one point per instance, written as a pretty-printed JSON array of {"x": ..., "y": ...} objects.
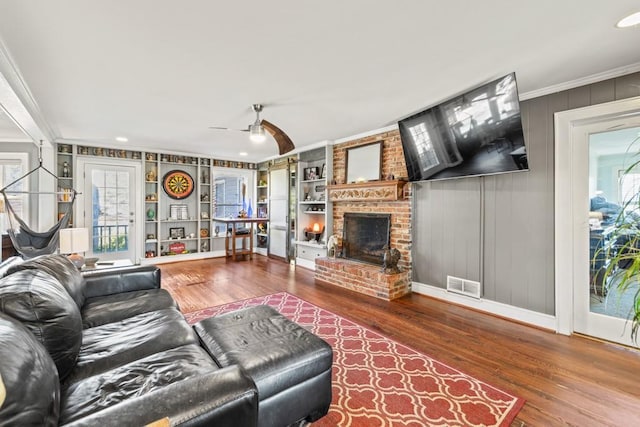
[{"x": 371, "y": 191}]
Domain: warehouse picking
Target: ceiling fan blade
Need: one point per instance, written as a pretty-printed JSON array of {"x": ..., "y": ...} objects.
[
  {"x": 223, "y": 128},
  {"x": 284, "y": 142}
]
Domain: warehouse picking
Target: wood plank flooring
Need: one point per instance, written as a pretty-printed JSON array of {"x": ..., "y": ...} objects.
[{"x": 565, "y": 380}]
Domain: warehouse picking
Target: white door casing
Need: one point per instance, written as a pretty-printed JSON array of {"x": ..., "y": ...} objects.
[
  {"x": 133, "y": 215},
  {"x": 572, "y": 130}
]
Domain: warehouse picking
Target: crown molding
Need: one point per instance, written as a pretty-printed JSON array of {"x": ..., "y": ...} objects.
[
  {"x": 319, "y": 144},
  {"x": 18, "y": 103},
  {"x": 366, "y": 134},
  {"x": 582, "y": 81}
]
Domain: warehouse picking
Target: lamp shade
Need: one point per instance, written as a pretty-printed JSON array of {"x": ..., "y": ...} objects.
[
  {"x": 73, "y": 240},
  {"x": 256, "y": 133}
]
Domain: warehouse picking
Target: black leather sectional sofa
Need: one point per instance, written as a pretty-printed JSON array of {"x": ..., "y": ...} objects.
[{"x": 111, "y": 348}]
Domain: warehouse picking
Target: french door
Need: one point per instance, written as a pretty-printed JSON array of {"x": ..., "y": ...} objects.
[
  {"x": 597, "y": 143},
  {"x": 110, "y": 209}
]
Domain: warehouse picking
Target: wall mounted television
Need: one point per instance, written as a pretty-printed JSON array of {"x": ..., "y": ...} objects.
[{"x": 476, "y": 133}]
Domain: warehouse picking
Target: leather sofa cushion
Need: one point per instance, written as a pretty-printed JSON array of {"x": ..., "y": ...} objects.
[
  {"x": 276, "y": 352},
  {"x": 41, "y": 303},
  {"x": 62, "y": 269},
  {"x": 114, "y": 344},
  {"x": 29, "y": 376},
  {"x": 122, "y": 279},
  {"x": 133, "y": 380},
  {"x": 222, "y": 398},
  {"x": 8, "y": 264},
  {"x": 116, "y": 307}
]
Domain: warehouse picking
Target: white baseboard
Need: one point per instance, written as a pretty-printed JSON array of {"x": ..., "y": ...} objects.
[
  {"x": 311, "y": 265},
  {"x": 523, "y": 315},
  {"x": 261, "y": 251},
  {"x": 185, "y": 257}
]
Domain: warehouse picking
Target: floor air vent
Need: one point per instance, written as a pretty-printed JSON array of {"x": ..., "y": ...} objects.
[{"x": 463, "y": 286}]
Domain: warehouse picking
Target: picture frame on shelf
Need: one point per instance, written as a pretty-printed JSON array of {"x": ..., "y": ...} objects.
[
  {"x": 311, "y": 173},
  {"x": 178, "y": 212},
  {"x": 323, "y": 173},
  {"x": 176, "y": 233}
]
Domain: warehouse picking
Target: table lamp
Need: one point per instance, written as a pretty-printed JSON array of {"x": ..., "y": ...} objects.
[{"x": 72, "y": 241}]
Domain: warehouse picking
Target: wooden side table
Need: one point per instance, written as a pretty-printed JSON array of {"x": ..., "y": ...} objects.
[
  {"x": 7, "y": 247},
  {"x": 230, "y": 242}
]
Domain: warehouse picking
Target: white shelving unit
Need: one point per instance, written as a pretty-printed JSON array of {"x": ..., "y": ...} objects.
[
  {"x": 181, "y": 230},
  {"x": 65, "y": 172},
  {"x": 262, "y": 210},
  {"x": 199, "y": 239},
  {"x": 314, "y": 214},
  {"x": 151, "y": 192}
]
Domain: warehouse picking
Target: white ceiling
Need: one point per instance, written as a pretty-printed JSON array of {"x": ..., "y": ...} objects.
[
  {"x": 161, "y": 71},
  {"x": 8, "y": 129}
]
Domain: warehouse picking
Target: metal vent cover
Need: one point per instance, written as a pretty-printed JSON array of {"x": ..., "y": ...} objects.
[{"x": 463, "y": 286}]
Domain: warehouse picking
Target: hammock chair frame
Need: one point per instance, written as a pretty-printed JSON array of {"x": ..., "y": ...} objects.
[{"x": 30, "y": 243}]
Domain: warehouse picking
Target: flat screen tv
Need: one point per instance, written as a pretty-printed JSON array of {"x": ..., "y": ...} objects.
[{"x": 476, "y": 133}]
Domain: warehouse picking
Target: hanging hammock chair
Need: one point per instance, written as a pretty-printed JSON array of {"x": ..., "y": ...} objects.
[{"x": 28, "y": 242}]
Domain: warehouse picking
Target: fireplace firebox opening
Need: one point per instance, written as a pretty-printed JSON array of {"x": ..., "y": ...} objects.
[{"x": 365, "y": 235}]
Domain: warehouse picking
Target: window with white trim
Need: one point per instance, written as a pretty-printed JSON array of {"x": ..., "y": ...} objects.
[{"x": 12, "y": 167}]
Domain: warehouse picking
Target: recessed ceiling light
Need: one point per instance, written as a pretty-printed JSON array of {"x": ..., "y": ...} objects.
[
  {"x": 243, "y": 153},
  {"x": 121, "y": 139},
  {"x": 629, "y": 21}
]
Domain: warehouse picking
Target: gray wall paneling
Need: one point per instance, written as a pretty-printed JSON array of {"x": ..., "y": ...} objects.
[
  {"x": 447, "y": 231},
  {"x": 518, "y": 245}
]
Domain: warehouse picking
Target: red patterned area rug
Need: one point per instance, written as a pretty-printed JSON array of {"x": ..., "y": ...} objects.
[{"x": 379, "y": 382}]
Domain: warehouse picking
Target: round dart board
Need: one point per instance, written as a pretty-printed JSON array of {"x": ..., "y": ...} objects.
[{"x": 177, "y": 184}]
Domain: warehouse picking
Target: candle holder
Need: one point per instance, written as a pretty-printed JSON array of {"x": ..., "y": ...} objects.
[{"x": 314, "y": 233}]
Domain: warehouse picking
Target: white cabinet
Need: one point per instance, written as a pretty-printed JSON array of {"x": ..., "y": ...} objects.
[{"x": 314, "y": 214}]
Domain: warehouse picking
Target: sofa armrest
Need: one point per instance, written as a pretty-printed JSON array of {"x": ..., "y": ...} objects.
[
  {"x": 226, "y": 397},
  {"x": 125, "y": 279}
]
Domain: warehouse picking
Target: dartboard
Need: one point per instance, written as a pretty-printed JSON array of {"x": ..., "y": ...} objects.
[{"x": 177, "y": 184}]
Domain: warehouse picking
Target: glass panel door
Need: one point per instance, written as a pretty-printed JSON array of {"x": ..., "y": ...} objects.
[
  {"x": 600, "y": 308},
  {"x": 613, "y": 190},
  {"x": 110, "y": 211}
]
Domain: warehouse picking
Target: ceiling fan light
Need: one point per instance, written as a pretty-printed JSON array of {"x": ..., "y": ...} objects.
[
  {"x": 256, "y": 133},
  {"x": 629, "y": 21}
]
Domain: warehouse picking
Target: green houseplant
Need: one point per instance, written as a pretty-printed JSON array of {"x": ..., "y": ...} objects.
[{"x": 622, "y": 269}]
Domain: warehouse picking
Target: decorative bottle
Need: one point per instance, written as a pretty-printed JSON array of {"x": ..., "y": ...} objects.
[{"x": 249, "y": 210}]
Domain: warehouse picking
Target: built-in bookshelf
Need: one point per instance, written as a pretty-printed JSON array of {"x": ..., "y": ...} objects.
[
  {"x": 173, "y": 227},
  {"x": 262, "y": 209},
  {"x": 314, "y": 209}
]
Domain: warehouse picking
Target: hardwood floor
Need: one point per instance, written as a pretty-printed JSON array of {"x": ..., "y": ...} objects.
[{"x": 565, "y": 380}]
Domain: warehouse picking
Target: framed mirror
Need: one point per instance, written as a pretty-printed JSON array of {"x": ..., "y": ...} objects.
[{"x": 364, "y": 163}]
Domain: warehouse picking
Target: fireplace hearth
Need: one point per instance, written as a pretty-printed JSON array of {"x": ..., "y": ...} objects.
[{"x": 365, "y": 235}]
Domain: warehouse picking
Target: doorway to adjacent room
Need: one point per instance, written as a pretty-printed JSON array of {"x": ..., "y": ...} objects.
[{"x": 593, "y": 148}]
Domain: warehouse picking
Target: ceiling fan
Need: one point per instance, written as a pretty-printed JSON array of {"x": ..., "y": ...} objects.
[{"x": 257, "y": 131}]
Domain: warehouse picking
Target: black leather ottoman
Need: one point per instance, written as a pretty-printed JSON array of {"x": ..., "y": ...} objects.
[{"x": 290, "y": 366}]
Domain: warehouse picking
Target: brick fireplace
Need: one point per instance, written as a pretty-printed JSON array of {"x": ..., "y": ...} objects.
[{"x": 392, "y": 197}]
